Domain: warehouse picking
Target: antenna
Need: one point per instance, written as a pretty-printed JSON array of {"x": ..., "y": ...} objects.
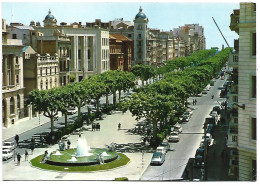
[{"x": 222, "y": 35}]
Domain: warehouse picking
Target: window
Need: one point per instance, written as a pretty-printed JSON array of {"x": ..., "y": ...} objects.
[
  {"x": 18, "y": 101},
  {"x": 79, "y": 54},
  {"x": 254, "y": 7},
  {"x": 236, "y": 120},
  {"x": 12, "y": 105},
  {"x": 17, "y": 78},
  {"x": 88, "y": 54},
  {"x": 55, "y": 70},
  {"x": 139, "y": 35},
  {"x": 254, "y": 44},
  {"x": 46, "y": 84},
  {"x": 139, "y": 43},
  {"x": 46, "y": 71},
  {"x": 235, "y": 99},
  {"x": 40, "y": 71},
  {"x": 24, "y": 36},
  {"x": 14, "y": 36},
  {"x": 139, "y": 27},
  {"x": 17, "y": 61},
  {"x": 253, "y": 87},
  {"x": 254, "y": 170},
  {"x": 253, "y": 129},
  {"x": 41, "y": 85}
]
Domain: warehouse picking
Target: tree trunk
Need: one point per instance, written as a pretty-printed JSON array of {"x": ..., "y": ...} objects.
[
  {"x": 119, "y": 95},
  {"x": 114, "y": 98},
  {"x": 79, "y": 113},
  {"x": 97, "y": 102},
  {"x": 142, "y": 83},
  {"x": 154, "y": 128},
  {"x": 66, "y": 119},
  {"x": 52, "y": 124},
  {"x": 106, "y": 100}
]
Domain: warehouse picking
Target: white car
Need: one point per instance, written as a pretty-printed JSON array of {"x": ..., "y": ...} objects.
[
  {"x": 208, "y": 137},
  {"x": 177, "y": 128},
  {"x": 174, "y": 137},
  {"x": 7, "y": 154},
  {"x": 71, "y": 111},
  {"x": 161, "y": 149},
  {"x": 8, "y": 145}
]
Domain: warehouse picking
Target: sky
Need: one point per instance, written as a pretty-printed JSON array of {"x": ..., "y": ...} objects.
[{"x": 164, "y": 15}]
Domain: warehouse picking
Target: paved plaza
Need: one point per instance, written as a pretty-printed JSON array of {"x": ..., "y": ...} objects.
[{"x": 96, "y": 139}]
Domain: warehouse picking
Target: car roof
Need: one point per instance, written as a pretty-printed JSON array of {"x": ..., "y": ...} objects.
[
  {"x": 157, "y": 154},
  {"x": 160, "y": 147}
]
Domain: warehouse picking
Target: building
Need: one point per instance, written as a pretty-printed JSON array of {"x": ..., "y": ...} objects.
[
  {"x": 82, "y": 51},
  {"x": 191, "y": 36},
  {"x": 242, "y": 96},
  {"x": 12, "y": 79},
  {"x": 120, "y": 52},
  {"x": 40, "y": 72},
  {"x": 140, "y": 37},
  {"x": 20, "y": 31}
]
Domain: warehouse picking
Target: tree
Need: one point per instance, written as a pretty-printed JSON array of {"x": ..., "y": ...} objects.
[{"x": 46, "y": 101}]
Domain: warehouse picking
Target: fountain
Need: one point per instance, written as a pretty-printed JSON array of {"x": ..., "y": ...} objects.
[
  {"x": 57, "y": 153},
  {"x": 73, "y": 158},
  {"x": 82, "y": 148}
]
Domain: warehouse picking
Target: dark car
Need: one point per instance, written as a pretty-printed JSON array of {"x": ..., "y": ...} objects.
[
  {"x": 166, "y": 145},
  {"x": 216, "y": 108},
  {"x": 199, "y": 152},
  {"x": 210, "y": 129}
]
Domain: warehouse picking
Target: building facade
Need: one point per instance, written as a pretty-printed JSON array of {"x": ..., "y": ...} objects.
[
  {"x": 12, "y": 79},
  {"x": 188, "y": 39},
  {"x": 243, "y": 22}
]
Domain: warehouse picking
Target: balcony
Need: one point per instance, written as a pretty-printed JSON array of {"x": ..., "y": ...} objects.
[
  {"x": 234, "y": 21},
  {"x": 233, "y": 60},
  {"x": 232, "y": 140}
]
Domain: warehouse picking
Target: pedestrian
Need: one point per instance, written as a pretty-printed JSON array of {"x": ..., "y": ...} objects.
[
  {"x": 195, "y": 102},
  {"x": 26, "y": 154},
  {"x": 144, "y": 140},
  {"x": 18, "y": 158},
  {"x": 32, "y": 147},
  {"x": 16, "y": 139},
  {"x": 212, "y": 97},
  {"x": 119, "y": 126},
  {"x": 68, "y": 144}
]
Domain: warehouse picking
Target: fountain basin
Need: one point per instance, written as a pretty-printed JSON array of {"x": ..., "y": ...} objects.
[{"x": 66, "y": 157}]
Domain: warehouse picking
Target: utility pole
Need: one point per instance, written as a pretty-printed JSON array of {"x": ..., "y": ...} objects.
[{"x": 205, "y": 152}]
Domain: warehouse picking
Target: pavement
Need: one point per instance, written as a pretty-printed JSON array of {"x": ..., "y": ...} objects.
[{"x": 108, "y": 134}]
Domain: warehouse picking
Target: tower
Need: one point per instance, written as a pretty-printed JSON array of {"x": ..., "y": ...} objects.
[
  {"x": 140, "y": 32},
  {"x": 49, "y": 20}
]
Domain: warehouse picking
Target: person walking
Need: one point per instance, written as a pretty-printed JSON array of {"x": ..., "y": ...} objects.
[
  {"x": 16, "y": 139},
  {"x": 195, "y": 102},
  {"x": 68, "y": 144},
  {"x": 119, "y": 126},
  {"x": 26, "y": 154},
  {"x": 18, "y": 158}
]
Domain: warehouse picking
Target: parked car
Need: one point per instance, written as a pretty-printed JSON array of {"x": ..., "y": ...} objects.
[
  {"x": 158, "y": 158},
  {"x": 187, "y": 113},
  {"x": 174, "y": 137},
  {"x": 161, "y": 149},
  {"x": 210, "y": 129},
  {"x": 214, "y": 113},
  {"x": 71, "y": 111},
  {"x": 198, "y": 162},
  {"x": 217, "y": 76},
  {"x": 166, "y": 145},
  {"x": 8, "y": 145},
  {"x": 199, "y": 152},
  {"x": 185, "y": 118},
  {"x": 177, "y": 128},
  {"x": 190, "y": 110},
  {"x": 202, "y": 144},
  {"x": 7, "y": 154},
  {"x": 204, "y": 91},
  {"x": 216, "y": 108},
  {"x": 208, "y": 138}
]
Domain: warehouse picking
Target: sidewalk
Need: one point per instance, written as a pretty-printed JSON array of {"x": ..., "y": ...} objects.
[
  {"x": 22, "y": 126},
  {"x": 95, "y": 139}
]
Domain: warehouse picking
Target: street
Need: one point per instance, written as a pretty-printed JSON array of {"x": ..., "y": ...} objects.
[{"x": 176, "y": 160}]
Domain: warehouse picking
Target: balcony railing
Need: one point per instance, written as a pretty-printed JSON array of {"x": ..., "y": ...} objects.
[
  {"x": 233, "y": 60},
  {"x": 232, "y": 140}
]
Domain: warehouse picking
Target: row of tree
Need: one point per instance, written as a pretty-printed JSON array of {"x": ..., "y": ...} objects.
[
  {"x": 50, "y": 102},
  {"x": 166, "y": 98}
]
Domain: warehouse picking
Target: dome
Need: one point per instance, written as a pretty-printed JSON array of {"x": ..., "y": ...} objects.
[
  {"x": 140, "y": 14},
  {"x": 49, "y": 16}
]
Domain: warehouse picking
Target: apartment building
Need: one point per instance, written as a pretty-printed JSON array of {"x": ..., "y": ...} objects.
[
  {"x": 242, "y": 96},
  {"x": 188, "y": 39},
  {"x": 12, "y": 78}
]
